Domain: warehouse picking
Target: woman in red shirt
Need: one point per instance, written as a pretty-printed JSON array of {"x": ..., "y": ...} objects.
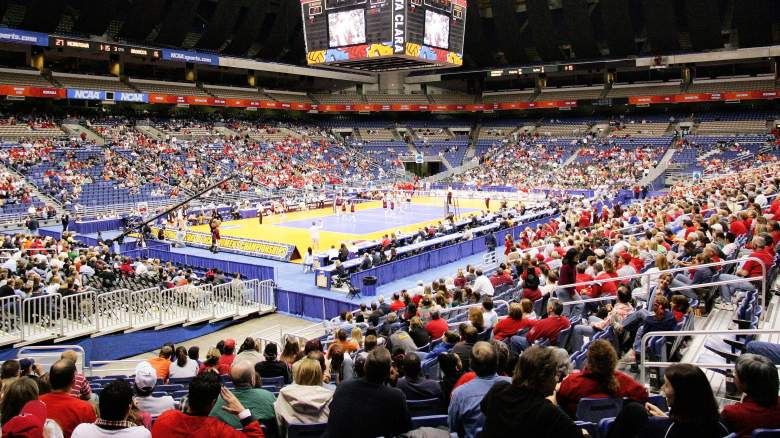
[{"x": 599, "y": 379}]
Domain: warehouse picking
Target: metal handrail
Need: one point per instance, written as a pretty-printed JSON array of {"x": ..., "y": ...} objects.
[
  {"x": 677, "y": 333},
  {"x": 681, "y": 269}
]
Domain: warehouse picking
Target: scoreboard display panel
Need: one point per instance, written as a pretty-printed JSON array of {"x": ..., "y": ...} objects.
[{"x": 394, "y": 33}]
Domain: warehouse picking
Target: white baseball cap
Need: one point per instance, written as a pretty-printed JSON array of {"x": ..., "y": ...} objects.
[{"x": 145, "y": 376}]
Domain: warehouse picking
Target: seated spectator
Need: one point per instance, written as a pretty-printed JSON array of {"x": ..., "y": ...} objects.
[
  {"x": 756, "y": 377},
  {"x": 617, "y": 314},
  {"x": 227, "y": 357},
  {"x": 145, "y": 381},
  {"x": 339, "y": 364},
  {"x": 249, "y": 352},
  {"x": 476, "y": 319},
  {"x": 414, "y": 384},
  {"x": 447, "y": 342},
  {"x": 436, "y": 326},
  {"x": 451, "y": 371},
  {"x": 23, "y": 414},
  {"x": 662, "y": 319},
  {"x": 599, "y": 379},
  {"x": 183, "y": 367},
  {"x": 116, "y": 401},
  {"x": 400, "y": 339},
  {"x": 418, "y": 334},
  {"x": 692, "y": 406},
  {"x": 469, "y": 336},
  {"x": 271, "y": 367},
  {"x": 489, "y": 316},
  {"x": 548, "y": 328},
  {"x": 211, "y": 364},
  {"x": 348, "y": 345},
  {"x": 81, "y": 388},
  {"x": 515, "y": 322},
  {"x": 306, "y": 401},
  {"x": 162, "y": 363},
  {"x": 381, "y": 409},
  {"x": 203, "y": 393},
  {"x": 464, "y": 415},
  {"x": 66, "y": 410},
  {"x": 523, "y": 404},
  {"x": 9, "y": 372},
  {"x": 259, "y": 401}
]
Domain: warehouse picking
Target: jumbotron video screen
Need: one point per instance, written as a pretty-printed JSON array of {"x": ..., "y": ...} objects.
[{"x": 406, "y": 33}]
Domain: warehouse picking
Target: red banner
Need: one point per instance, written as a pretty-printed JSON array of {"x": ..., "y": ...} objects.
[
  {"x": 703, "y": 97},
  {"x": 49, "y": 93}
]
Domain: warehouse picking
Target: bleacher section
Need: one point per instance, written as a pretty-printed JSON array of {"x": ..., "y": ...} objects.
[
  {"x": 26, "y": 78},
  {"x": 396, "y": 99},
  {"x": 732, "y": 84},
  {"x": 84, "y": 82},
  {"x": 644, "y": 89},
  {"x": 173, "y": 88}
]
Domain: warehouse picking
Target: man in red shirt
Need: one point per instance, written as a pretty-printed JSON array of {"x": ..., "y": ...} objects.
[
  {"x": 66, "y": 410},
  {"x": 397, "y": 304},
  {"x": 756, "y": 376},
  {"x": 436, "y": 326},
  {"x": 501, "y": 278},
  {"x": 751, "y": 268},
  {"x": 203, "y": 392},
  {"x": 228, "y": 354},
  {"x": 545, "y": 329}
]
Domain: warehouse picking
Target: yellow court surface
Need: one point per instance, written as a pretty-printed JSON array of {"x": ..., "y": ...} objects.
[{"x": 370, "y": 221}]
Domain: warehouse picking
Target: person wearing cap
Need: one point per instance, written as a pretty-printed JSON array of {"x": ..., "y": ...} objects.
[
  {"x": 66, "y": 410},
  {"x": 81, "y": 388},
  {"x": 116, "y": 401},
  {"x": 145, "y": 380},
  {"x": 23, "y": 415},
  {"x": 162, "y": 363},
  {"x": 228, "y": 356},
  {"x": 271, "y": 366},
  {"x": 196, "y": 422}
]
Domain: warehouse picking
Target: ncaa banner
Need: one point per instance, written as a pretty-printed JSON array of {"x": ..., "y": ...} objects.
[
  {"x": 23, "y": 37},
  {"x": 122, "y": 96},
  {"x": 86, "y": 94}
]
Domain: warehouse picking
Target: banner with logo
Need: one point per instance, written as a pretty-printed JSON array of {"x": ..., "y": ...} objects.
[
  {"x": 257, "y": 248},
  {"x": 14, "y": 90},
  {"x": 14, "y": 36},
  {"x": 74, "y": 93},
  {"x": 123, "y": 96},
  {"x": 190, "y": 56}
]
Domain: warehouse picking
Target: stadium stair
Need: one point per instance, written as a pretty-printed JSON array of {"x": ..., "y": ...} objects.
[
  {"x": 149, "y": 131},
  {"x": 40, "y": 196},
  {"x": 73, "y": 127},
  {"x": 660, "y": 169},
  {"x": 225, "y": 131}
]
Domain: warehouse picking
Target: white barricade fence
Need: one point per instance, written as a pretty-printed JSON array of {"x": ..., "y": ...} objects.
[
  {"x": 256, "y": 296},
  {"x": 78, "y": 314},
  {"x": 175, "y": 302},
  {"x": 113, "y": 311},
  {"x": 10, "y": 320},
  {"x": 200, "y": 304},
  {"x": 40, "y": 318},
  {"x": 224, "y": 301},
  {"x": 145, "y": 308}
]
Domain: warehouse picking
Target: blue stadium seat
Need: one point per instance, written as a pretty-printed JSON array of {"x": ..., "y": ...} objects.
[
  {"x": 604, "y": 425},
  {"x": 429, "y": 421},
  {"x": 424, "y": 407},
  {"x": 306, "y": 430},
  {"x": 277, "y": 382},
  {"x": 766, "y": 433},
  {"x": 594, "y": 409}
]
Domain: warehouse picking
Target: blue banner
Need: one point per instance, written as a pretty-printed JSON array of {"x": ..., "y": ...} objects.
[
  {"x": 187, "y": 56},
  {"x": 121, "y": 96},
  {"x": 86, "y": 94},
  {"x": 23, "y": 37}
]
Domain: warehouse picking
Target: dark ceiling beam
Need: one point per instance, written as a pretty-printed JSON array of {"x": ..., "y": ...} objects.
[
  {"x": 274, "y": 44},
  {"x": 94, "y": 17},
  {"x": 43, "y": 15},
  {"x": 145, "y": 15},
  {"x": 618, "y": 27},
  {"x": 221, "y": 23},
  {"x": 753, "y": 21},
  {"x": 577, "y": 19},
  {"x": 703, "y": 17},
  {"x": 475, "y": 50},
  {"x": 249, "y": 27},
  {"x": 507, "y": 28},
  {"x": 177, "y": 22},
  {"x": 661, "y": 25},
  {"x": 546, "y": 40}
]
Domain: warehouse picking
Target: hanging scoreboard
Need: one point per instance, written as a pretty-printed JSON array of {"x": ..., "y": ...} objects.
[{"x": 380, "y": 35}]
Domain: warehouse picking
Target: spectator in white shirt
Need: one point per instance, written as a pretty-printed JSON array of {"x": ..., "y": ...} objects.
[
  {"x": 145, "y": 380},
  {"x": 116, "y": 400},
  {"x": 483, "y": 285},
  {"x": 183, "y": 366},
  {"x": 489, "y": 314}
]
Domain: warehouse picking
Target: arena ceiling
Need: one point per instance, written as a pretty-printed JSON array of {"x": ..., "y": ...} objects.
[{"x": 499, "y": 32}]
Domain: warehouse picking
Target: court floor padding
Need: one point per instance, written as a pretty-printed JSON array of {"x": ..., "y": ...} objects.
[{"x": 370, "y": 221}]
